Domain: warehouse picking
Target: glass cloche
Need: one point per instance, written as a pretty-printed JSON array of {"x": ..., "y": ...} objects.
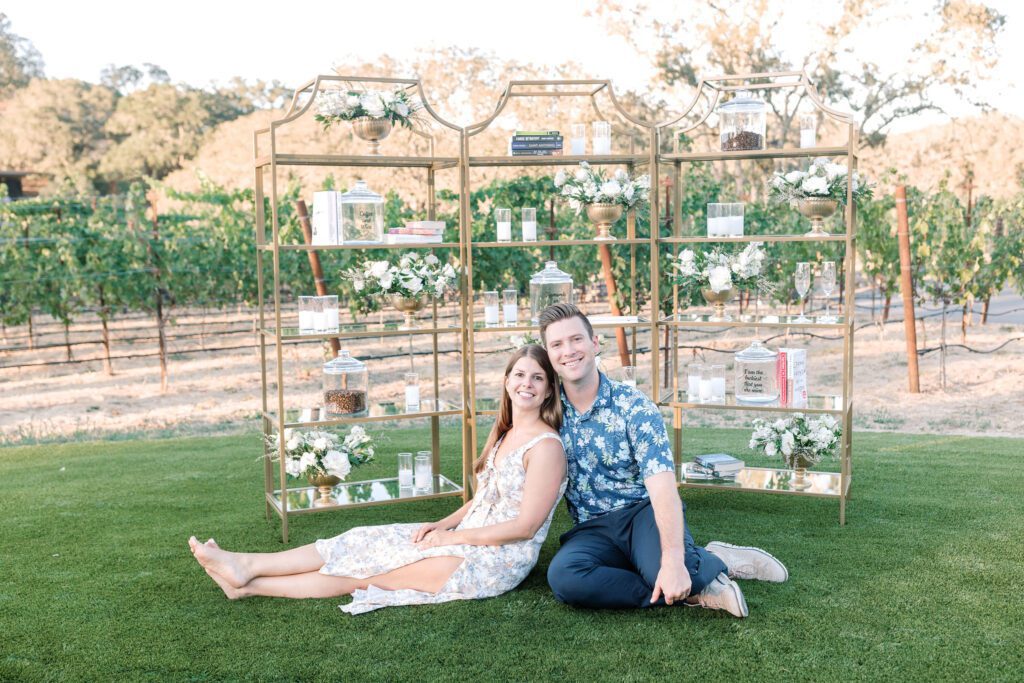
[
  {"x": 549, "y": 286},
  {"x": 362, "y": 216},
  {"x": 756, "y": 379},
  {"x": 741, "y": 122},
  {"x": 346, "y": 383}
]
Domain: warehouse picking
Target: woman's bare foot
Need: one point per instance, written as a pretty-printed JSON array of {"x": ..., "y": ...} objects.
[
  {"x": 230, "y": 591},
  {"x": 221, "y": 562}
]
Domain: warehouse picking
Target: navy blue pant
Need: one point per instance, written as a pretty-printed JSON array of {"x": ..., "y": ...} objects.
[{"x": 612, "y": 561}]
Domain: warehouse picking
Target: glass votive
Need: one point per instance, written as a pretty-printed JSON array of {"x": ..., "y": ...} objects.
[
  {"x": 503, "y": 218},
  {"x": 491, "y": 308},
  {"x": 510, "y": 306},
  {"x": 578, "y": 141},
  {"x": 405, "y": 470},
  {"x": 629, "y": 375},
  {"x": 424, "y": 472},
  {"x": 602, "y": 137},
  {"x": 529, "y": 224},
  {"x": 412, "y": 392},
  {"x": 319, "y": 314},
  {"x": 693, "y": 371},
  {"x": 717, "y": 372},
  {"x": 704, "y": 390},
  {"x": 808, "y": 130},
  {"x": 718, "y": 220},
  {"x": 330, "y": 306},
  {"x": 734, "y": 222},
  {"x": 307, "y": 325}
]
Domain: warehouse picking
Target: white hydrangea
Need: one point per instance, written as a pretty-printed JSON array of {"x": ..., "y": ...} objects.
[{"x": 720, "y": 278}]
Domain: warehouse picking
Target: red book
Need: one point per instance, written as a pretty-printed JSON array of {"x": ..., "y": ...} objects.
[{"x": 780, "y": 379}]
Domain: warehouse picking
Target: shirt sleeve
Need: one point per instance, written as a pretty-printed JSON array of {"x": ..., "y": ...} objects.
[{"x": 647, "y": 435}]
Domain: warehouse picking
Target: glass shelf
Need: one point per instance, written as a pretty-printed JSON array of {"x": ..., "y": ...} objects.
[
  {"x": 777, "y": 153},
  {"x": 769, "y": 480},
  {"x": 436, "y": 163},
  {"x": 596, "y": 321},
  {"x": 354, "y": 330},
  {"x": 361, "y": 494},
  {"x": 336, "y": 247},
  {"x": 379, "y": 411},
  {"x": 561, "y": 243},
  {"x": 703, "y": 320},
  {"x": 559, "y": 160},
  {"x": 834, "y": 237},
  {"x": 828, "y": 404}
]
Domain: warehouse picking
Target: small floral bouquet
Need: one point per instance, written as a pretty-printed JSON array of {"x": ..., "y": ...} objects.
[
  {"x": 518, "y": 341},
  {"x": 318, "y": 453},
  {"x": 797, "y": 438},
  {"x": 589, "y": 186},
  {"x": 822, "y": 179},
  {"x": 338, "y": 105},
  {"x": 719, "y": 269},
  {"x": 413, "y": 277}
]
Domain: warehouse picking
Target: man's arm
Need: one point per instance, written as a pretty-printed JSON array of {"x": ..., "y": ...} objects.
[{"x": 673, "y": 578}]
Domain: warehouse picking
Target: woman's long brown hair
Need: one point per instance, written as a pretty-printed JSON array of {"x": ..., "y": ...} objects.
[{"x": 550, "y": 410}]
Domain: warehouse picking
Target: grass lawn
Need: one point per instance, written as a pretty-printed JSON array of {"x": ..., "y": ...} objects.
[{"x": 926, "y": 581}]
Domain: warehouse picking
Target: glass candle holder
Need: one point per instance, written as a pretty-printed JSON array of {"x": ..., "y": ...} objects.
[
  {"x": 693, "y": 372},
  {"x": 602, "y": 137},
  {"x": 718, "y": 220},
  {"x": 330, "y": 308},
  {"x": 704, "y": 390},
  {"x": 529, "y": 224},
  {"x": 424, "y": 471},
  {"x": 319, "y": 314},
  {"x": 307, "y": 325},
  {"x": 734, "y": 220},
  {"x": 510, "y": 306},
  {"x": 412, "y": 392},
  {"x": 629, "y": 375},
  {"x": 808, "y": 130},
  {"x": 490, "y": 308},
  {"x": 578, "y": 141},
  {"x": 405, "y": 479},
  {"x": 503, "y": 219},
  {"x": 717, "y": 372}
]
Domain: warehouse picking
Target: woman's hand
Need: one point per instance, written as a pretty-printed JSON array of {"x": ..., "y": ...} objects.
[
  {"x": 437, "y": 537},
  {"x": 424, "y": 530}
]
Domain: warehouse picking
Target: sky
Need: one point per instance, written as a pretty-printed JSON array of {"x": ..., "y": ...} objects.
[{"x": 211, "y": 41}]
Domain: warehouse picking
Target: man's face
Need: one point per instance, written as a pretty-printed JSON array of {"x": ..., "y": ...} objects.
[{"x": 570, "y": 350}]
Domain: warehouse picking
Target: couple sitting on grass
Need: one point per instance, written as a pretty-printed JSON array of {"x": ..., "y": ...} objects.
[{"x": 601, "y": 443}]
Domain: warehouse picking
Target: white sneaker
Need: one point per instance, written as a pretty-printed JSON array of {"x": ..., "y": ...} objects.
[
  {"x": 723, "y": 593},
  {"x": 745, "y": 562}
]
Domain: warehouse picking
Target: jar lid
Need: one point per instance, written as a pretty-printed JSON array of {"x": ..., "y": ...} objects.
[
  {"x": 756, "y": 351},
  {"x": 361, "y": 193},
  {"x": 743, "y": 101},
  {"x": 551, "y": 273},
  {"x": 344, "y": 364}
]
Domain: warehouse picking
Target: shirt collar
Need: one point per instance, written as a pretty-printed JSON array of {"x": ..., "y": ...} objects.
[{"x": 604, "y": 396}]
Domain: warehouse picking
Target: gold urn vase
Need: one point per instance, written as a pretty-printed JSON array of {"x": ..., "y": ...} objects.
[
  {"x": 800, "y": 481},
  {"x": 817, "y": 209},
  {"x": 409, "y": 306},
  {"x": 372, "y": 130},
  {"x": 325, "y": 484},
  {"x": 719, "y": 300},
  {"x": 604, "y": 215}
]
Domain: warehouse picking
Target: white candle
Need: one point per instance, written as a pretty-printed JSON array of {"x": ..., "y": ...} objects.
[
  {"x": 735, "y": 226},
  {"x": 529, "y": 231},
  {"x": 504, "y": 231},
  {"x": 306, "y": 322},
  {"x": 320, "y": 321},
  {"x": 718, "y": 227},
  {"x": 578, "y": 145},
  {"x": 332, "y": 319},
  {"x": 705, "y": 390},
  {"x": 602, "y": 145},
  {"x": 412, "y": 399},
  {"x": 806, "y": 137},
  {"x": 717, "y": 388},
  {"x": 491, "y": 315},
  {"x": 423, "y": 474},
  {"x": 511, "y": 312},
  {"x": 405, "y": 478},
  {"x": 693, "y": 387}
]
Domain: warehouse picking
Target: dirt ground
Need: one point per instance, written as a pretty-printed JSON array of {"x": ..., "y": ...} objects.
[{"x": 219, "y": 391}]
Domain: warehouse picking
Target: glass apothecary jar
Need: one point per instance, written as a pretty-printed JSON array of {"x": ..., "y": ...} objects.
[
  {"x": 756, "y": 380},
  {"x": 549, "y": 286},
  {"x": 362, "y": 216},
  {"x": 346, "y": 385},
  {"x": 741, "y": 122}
]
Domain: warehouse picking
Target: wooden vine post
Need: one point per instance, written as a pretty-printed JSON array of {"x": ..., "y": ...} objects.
[
  {"x": 907, "y": 288},
  {"x": 158, "y": 289}
]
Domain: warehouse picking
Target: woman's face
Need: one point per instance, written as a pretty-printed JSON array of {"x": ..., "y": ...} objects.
[{"x": 527, "y": 385}]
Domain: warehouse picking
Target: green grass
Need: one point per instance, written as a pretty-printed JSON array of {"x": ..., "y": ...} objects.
[{"x": 924, "y": 582}]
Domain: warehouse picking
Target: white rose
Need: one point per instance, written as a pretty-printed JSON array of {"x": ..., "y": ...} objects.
[
  {"x": 402, "y": 109},
  {"x": 833, "y": 171},
  {"x": 386, "y": 280},
  {"x": 611, "y": 189},
  {"x": 306, "y": 461},
  {"x": 719, "y": 279},
  {"x": 320, "y": 443},
  {"x": 378, "y": 268},
  {"x": 293, "y": 443},
  {"x": 815, "y": 185},
  {"x": 794, "y": 177},
  {"x": 293, "y": 468},
  {"x": 431, "y": 260},
  {"x": 560, "y": 178},
  {"x": 770, "y": 450},
  {"x": 787, "y": 444},
  {"x": 352, "y": 101},
  {"x": 337, "y": 464},
  {"x": 372, "y": 104},
  {"x": 415, "y": 285},
  {"x": 778, "y": 182},
  {"x": 581, "y": 175}
]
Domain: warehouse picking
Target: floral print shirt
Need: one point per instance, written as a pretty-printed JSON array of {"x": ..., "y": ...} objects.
[{"x": 611, "y": 449}]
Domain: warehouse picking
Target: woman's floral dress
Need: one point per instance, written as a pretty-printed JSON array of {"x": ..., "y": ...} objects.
[{"x": 486, "y": 571}]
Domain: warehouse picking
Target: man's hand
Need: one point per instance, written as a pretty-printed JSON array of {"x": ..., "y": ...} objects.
[{"x": 673, "y": 582}]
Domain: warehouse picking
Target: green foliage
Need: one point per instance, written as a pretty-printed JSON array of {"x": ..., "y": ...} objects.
[{"x": 20, "y": 61}]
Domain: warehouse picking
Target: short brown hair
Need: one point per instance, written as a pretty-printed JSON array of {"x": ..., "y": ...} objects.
[{"x": 562, "y": 311}]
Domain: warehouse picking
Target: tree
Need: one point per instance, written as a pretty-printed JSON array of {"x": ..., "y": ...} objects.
[
  {"x": 20, "y": 61},
  {"x": 128, "y": 78}
]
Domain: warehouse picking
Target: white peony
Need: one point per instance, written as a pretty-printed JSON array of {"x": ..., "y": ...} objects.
[
  {"x": 386, "y": 280},
  {"x": 306, "y": 461},
  {"x": 337, "y": 463},
  {"x": 815, "y": 185},
  {"x": 719, "y": 279},
  {"x": 833, "y": 171},
  {"x": 372, "y": 104},
  {"x": 581, "y": 175},
  {"x": 611, "y": 189},
  {"x": 794, "y": 177},
  {"x": 414, "y": 285},
  {"x": 320, "y": 443}
]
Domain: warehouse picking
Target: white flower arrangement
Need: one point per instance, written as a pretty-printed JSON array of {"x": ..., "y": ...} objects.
[
  {"x": 796, "y": 437},
  {"x": 822, "y": 179},
  {"x": 590, "y": 186},
  {"x": 414, "y": 276},
  {"x": 317, "y": 452},
  {"x": 345, "y": 105},
  {"x": 518, "y": 341},
  {"x": 719, "y": 270}
]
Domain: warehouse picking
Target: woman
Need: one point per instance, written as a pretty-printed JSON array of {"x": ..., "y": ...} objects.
[{"x": 483, "y": 549}]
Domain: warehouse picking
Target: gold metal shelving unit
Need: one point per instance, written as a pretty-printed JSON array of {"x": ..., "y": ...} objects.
[
  {"x": 755, "y": 479},
  {"x": 277, "y": 413}
]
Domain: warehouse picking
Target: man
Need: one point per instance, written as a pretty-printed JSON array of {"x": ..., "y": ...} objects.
[{"x": 630, "y": 546}]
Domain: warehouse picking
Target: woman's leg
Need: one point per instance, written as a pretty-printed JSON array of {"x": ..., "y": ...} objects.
[
  {"x": 428, "y": 575},
  {"x": 238, "y": 569}
]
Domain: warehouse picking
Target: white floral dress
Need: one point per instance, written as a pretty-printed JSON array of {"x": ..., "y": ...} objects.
[{"x": 486, "y": 571}]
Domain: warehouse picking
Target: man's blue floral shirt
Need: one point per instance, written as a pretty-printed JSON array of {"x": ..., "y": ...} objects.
[{"x": 611, "y": 449}]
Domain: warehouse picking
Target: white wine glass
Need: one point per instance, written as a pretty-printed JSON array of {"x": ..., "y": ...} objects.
[
  {"x": 828, "y": 284},
  {"x": 803, "y": 285}
]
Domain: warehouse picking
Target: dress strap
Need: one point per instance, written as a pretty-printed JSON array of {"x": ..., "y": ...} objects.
[{"x": 537, "y": 439}]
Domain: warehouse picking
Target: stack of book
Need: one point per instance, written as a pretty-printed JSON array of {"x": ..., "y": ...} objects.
[
  {"x": 713, "y": 466},
  {"x": 417, "y": 232},
  {"x": 536, "y": 143}
]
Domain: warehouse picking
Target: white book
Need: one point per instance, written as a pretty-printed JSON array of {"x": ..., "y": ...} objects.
[
  {"x": 326, "y": 217},
  {"x": 796, "y": 377}
]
